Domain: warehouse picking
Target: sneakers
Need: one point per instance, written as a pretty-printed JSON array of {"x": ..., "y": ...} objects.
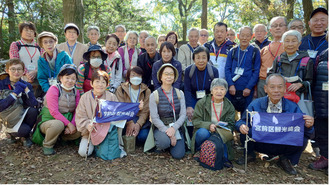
[
  {"x": 285, "y": 164},
  {"x": 26, "y": 142},
  {"x": 320, "y": 164},
  {"x": 48, "y": 151}
]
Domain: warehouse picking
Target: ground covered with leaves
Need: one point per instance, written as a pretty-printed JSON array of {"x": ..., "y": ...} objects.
[{"x": 21, "y": 165}]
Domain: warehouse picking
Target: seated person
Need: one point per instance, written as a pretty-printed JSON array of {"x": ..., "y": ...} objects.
[
  {"x": 95, "y": 58},
  {"x": 15, "y": 96},
  {"x": 275, "y": 103},
  {"x": 51, "y": 60},
  {"x": 134, "y": 91},
  {"x": 58, "y": 112},
  {"x": 210, "y": 110}
]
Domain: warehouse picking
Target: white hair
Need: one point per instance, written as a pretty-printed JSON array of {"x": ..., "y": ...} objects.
[
  {"x": 93, "y": 28},
  {"x": 276, "y": 18},
  {"x": 292, "y": 33},
  {"x": 193, "y": 29},
  {"x": 297, "y": 19},
  {"x": 258, "y": 25},
  {"x": 245, "y": 27},
  {"x": 129, "y": 33}
]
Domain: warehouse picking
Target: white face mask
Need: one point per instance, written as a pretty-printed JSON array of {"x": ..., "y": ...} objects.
[
  {"x": 96, "y": 62},
  {"x": 136, "y": 80},
  {"x": 67, "y": 88}
]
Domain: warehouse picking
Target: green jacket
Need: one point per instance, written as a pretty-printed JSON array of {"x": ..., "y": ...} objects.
[{"x": 202, "y": 118}]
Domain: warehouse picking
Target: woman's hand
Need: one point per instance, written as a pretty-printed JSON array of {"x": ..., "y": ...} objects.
[
  {"x": 90, "y": 127},
  {"x": 31, "y": 75},
  {"x": 294, "y": 87},
  {"x": 173, "y": 141},
  {"x": 212, "y": 128},
  {"x": 72, "y": 128},
  {"x": 309, "y": 121},
  {"x": 137, "y": 128},
  {"x": 170, "y": 132},
  {"x": 141, "y": 105},
  {"x": 189, "y": 113},
  {"x": 130, "y": 128},
  {"x": 67, "y": 131}
]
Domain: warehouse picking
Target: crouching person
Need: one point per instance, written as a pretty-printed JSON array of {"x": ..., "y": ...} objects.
[
  {"x": 59, "y": 111},
  {"x": 86, "y": 111},
  {"x": 17, "y": 100},
  {"x": 275, "y": 103}
]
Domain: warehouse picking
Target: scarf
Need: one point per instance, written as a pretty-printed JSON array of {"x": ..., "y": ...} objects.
[
  {"x": 52, "y": 60},
  {"x": 134, "y": 57}
]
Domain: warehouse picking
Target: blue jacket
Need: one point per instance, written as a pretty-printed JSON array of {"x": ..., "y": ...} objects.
[
  {"x": 155, "y": 68},
  {"x": 307, "y": 43},
  {"x": 260, "y": 105},
  {"x": 224, "y": 50},
  {"x": 28, "y": 100},
  {"x": 44, "y": 71},
  {"x": 191, "y": 85},
  {"x": 251, "y": 68}
]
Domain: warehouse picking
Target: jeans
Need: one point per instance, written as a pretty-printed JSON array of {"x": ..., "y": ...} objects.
[
  {"x": 27, "y": 124},
  {"x": 202, "y": 134},
  {"x": 162, "y": 142}
]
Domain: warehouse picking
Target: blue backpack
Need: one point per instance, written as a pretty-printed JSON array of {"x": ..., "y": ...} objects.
[{"x": 109, "y": 148}]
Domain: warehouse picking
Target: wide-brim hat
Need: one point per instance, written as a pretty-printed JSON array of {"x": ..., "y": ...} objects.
[
  {"x": 97, "y": 137},
  {"x": 67, "y": 66},
  {"x": 46, "y": 34},
  {"x": 167, "y": 65},
  {"x": 72, "y": 25},
  {"x": 95, "y": 47}
]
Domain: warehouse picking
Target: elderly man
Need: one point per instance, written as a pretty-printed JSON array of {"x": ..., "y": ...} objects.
[
  {"x": 275, "y": 103},
  {"x": 219, "y": 47},
  {"x": 242, "y": 70},
  {"x": 231, "y": 35},
  {"x": 261, "y": 38},
  {"x": 147, "y": 59},
  {"x": 120, "y": 31},
  {"x": 298, "y": 25},
  {"x": 204, "y": 35},
  {"x": 141, "y": 39},
  {"x": 278, "y": 25},
  {"x": 315, "y": 42},
  {"x": 186, "y": 50}
]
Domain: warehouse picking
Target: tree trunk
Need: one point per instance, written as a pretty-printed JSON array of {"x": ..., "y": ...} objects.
[
  {"x": 204, "y": 14},
  {"x": 308, "y": 8},
  {"x": 184, "y": 25},
  {"x": 73, "y": 13},
  {"x": 11, "y": 20},
  {"x": 290, "y": 9},
  {"x": 1, "y": 34}
]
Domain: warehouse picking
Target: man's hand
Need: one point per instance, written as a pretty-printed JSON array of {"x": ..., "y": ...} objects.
[
  {"x": 294, "y": 87},
  {"x": 232, "y": 90},
  {"x": 309, "y": 121},
  {"x": 246, "y": 92},
  {"x": 244, "y": 129},
  {"x": 189, "y": 113}
]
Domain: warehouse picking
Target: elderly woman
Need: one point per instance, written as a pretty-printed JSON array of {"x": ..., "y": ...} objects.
[
  {"x": 129, "y": 53},
  {"x": 28, "y": 51},
  {"x": 95, "y": 58},
  {"x": 168, "y": 113},
  {"x": 58, "y": 112},
  {"x": 86, "y": 112},
  {"x": 134, "y": 91},
  {"x": 172, "y": 37},
  {"x": 161, "y": 39},
  {"x": 51, "y": 60},
  {"x": 16, "y": 101},
  {"x": 113, "y": 61},
  {"x": 167, "y": 52},
  {"x": 93, "y": 34},
  {"x": 295, "y": 66},
  {"x": 211, "y": 111},
  {"x": 197, "y": 79}
]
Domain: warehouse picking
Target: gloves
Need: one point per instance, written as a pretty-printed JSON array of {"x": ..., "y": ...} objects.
[{"x": 19, "y": 87}]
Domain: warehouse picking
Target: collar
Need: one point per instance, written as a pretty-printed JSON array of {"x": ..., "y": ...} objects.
[
  {"x": 279, "y": 104},
  {"x": 28, "y": 43},
  {"x": 292, "y": 57}
]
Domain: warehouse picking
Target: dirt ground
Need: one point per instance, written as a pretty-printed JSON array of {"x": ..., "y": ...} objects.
[{"x": 21, "y": 165}]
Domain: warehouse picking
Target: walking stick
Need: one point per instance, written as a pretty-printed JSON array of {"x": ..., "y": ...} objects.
[
  {"x": 89, "y": 137},
  {"x": 252, "y": 113}
]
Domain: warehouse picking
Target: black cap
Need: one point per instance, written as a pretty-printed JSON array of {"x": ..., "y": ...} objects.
[
  {"x": 95, "y": 47},
  {"x": 320, "y": 9}
]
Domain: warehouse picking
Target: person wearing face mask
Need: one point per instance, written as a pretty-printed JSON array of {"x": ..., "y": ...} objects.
[
  {"x": 134, "y": 91},
  {"x": 58, "y": 112},
  {"x": 95, "y": 58}
]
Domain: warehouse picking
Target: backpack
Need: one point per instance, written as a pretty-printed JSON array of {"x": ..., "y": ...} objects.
[
  {"x": 156, "y": 95},
  {"x": 209, "y": 68},
  {"x": 87, "y": 67},
  {"x": 19, "y": 46},
  {"x": 252, "y": 58},
  {"x": 213, "y": 153},
  {"x": 109, "y": 149},
  {"x": 302, "y": 65}
]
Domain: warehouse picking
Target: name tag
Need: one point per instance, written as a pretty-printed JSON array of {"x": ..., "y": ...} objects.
[
  {"x": 238, "y": 71},
  {"x": 325, "y": 86},
  {"x": 52, "y": 81},
  {"x": 200, "y": 94},
  {"x": 236, "y": 77},
  {"x": 31, "y": 67},
  {"x": 312, "y": 53}
]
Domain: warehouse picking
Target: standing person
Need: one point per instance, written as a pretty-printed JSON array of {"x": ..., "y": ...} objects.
[
  {"x": 16, "y": 95},
  {"x": 113, "y": 61},
  {"x": 129, "y": 53},
  {"x": 161, "y": 39},
  {"x": 172, "y": 37},
  {"x": 231, "y": 35},
  {"x": 74, "y": 48},
  {"x": 120, "y": 31},
  {"x": 168, "y": 113},
  {"x": 297, "y": 24},
  {"x": 242, "y": 70},
  {"x": 58, "y": 112},
  {"x": 141, "y": 39},
  {"x": 51, "y": 61},
  {"x": 167, "y": 53},
  {"x": 315, "y": 42},
  {"x": 261, "y": 38},
  {"x": 95, "y": 58},
  {"x": 93, "y": 35},
  {"x": 219, "y": 47},
  {"x": 147, "y": 59},
  {"x": 28, "y": 51},
  {"x": 186, "y": 50},
  {"x": 204, "y": 35},
  {"x": 278, "y": 25}
]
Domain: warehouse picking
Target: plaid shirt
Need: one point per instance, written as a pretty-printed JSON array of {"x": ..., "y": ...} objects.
[{"x": 274, "y": 108}]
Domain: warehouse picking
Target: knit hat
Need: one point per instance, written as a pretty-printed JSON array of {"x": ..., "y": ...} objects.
[
  {"x": 46, "y": 34},
  {"x": 95, "y": 47},
  {"x": 71, "y": 25},
  {"x": 167, "y": 65}
]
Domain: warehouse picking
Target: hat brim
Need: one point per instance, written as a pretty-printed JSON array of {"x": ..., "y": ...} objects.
[
  {"x": 86, "y": 55},
  {"x": 163, "y": 66}
]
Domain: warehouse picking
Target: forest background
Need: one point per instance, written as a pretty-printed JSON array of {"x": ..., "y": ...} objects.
[{"x": 156, "y": 16}]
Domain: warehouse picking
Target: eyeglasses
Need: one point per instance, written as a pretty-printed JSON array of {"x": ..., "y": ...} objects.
[
  {"x": 278, "y": 25},
  {"x": 169, "y": 74},
  {"x": 16, "y": 69},
  {"x": 48, "y": 42},
  {"x": 28, "y": 30},
  {"x": 203, "y": 35},
  {"x": 297, "y": 27}
]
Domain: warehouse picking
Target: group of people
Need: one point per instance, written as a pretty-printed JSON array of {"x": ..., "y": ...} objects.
[{"x": 183, "y": 93}]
